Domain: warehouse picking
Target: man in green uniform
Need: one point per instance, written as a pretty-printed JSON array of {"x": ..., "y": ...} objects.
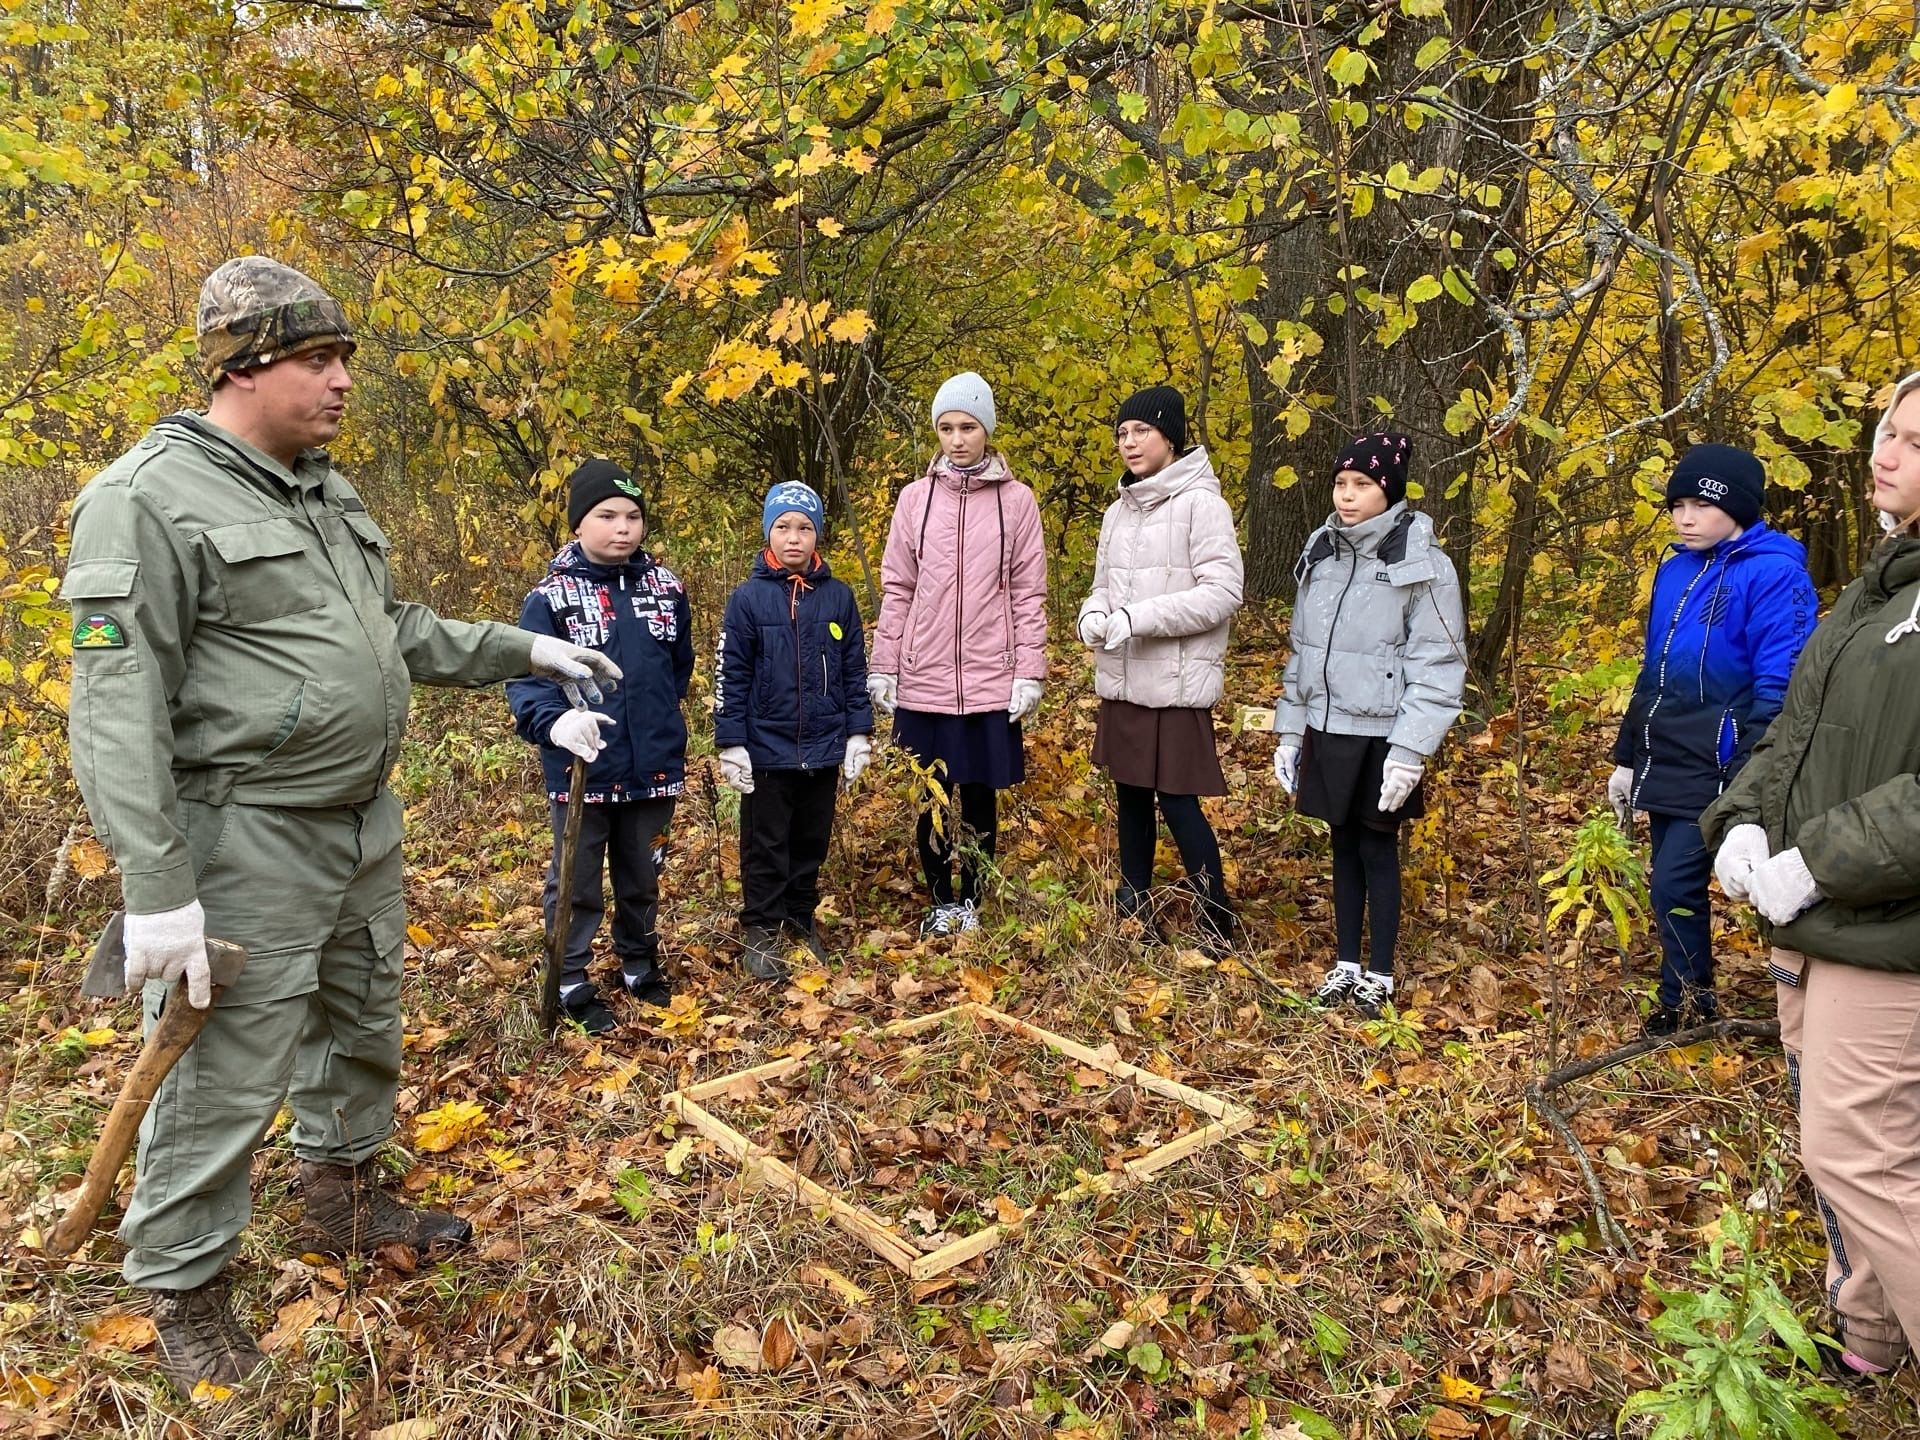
[{"x": 241, "y": 678}]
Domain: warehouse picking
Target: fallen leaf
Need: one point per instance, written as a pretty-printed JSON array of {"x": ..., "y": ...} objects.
[
  {"x": 1567, "y": 1367},
  {"x": 703, "y": 1387},
  {"x": 677, "y": 1156},
  {"x": 1463, "y": 1392},
  {"x": 737, "y": 1348},
  {"x": 120, "y": 1331},
  {"x": 292, "y": 1322},
  {"x": 407, "y": 1430},
  {"x": 836, "y": 1282},
  {"x": 1445, "y": 1424},
  {"x": 1007, "y": 1211},
  {"x": 451, "y": 1124},
  {"x": 777, "y": 1345}
]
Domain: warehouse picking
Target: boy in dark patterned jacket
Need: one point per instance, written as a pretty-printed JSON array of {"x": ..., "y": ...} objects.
[{"x": 604, "y": 592}]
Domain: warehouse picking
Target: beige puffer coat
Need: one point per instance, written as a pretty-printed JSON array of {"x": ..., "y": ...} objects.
[{"x": 1168, "y": 557}]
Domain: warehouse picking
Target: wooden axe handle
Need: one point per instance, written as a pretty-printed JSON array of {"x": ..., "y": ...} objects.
[{"x": 179, "y": 1026}]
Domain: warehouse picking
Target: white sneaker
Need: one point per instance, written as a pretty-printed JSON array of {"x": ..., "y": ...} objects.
[
  {"x": 1338, "y": 987},
  {"x": 965, "y": 918},
  {"x": 940, "y": 921}
]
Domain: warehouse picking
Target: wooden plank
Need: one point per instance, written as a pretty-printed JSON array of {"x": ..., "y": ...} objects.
[
  {"x": 772, "y": 1070},
  {"x": 913, "y": 1025},
  {"x": 939, "y": 1261},
  {"x": 1176, "y": 1150},
  {"x": 1211, "y": 1105}
]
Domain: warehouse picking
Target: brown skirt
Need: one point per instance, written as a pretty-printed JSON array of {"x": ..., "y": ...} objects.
[{"x": 1168, "y": 750}]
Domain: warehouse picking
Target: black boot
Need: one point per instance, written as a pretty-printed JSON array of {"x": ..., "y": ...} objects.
[
  {"x": 349, "y": 1214},
  {"x": 807, "y": 932},
  {"x": 646, "y": 982},
  {"x": 1136, "y": 911},
  {"x": 199, "y": 1339},
  {"x": 760, "y": 953},
  {"x": 1213, "y": 915}
]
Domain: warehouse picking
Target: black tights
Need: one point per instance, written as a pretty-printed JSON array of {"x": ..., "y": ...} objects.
[
  {"x": 1366, "y": 875},
  {"x": 979, "y": 823},
  {"x": 1199, "y": 850}
]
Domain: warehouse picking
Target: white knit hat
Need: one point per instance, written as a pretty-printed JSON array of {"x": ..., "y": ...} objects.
[{"x": 970, "y": 395}]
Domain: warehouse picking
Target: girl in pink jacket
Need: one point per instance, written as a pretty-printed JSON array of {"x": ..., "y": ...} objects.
[{"x": 960, "y": 653}]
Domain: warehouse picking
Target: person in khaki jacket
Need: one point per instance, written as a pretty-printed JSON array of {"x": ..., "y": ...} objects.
[
  {"x": 241, "y": 678},
  {"x": 1166, "y": 581},
  {"x": 1821, "y": 833}
]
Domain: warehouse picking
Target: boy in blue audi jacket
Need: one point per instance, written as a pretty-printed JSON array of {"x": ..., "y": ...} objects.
[
  {"x": 1732, "y": 605},
  {"x": 790, "y": 717},
  {"x": 604, "y": 592}
]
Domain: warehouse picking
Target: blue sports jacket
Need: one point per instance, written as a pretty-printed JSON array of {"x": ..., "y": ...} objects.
[
  {"x": 636, "y": 613},
  {"x": 1723, "y": 632},
  {"x": 791, "y": 683}
]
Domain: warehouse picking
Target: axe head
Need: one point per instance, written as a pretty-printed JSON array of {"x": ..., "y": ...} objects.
[{"x": 107, "y": 970}]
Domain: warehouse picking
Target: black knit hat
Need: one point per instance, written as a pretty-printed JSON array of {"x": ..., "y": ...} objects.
[
  {"x": 1721, "y": 475},
  {"x": 1160, "y": 406},
  {"x": 595, "y": 480},
  {"x": 1383, "y": 457}
]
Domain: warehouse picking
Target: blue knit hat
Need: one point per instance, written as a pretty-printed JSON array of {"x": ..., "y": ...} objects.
[{"x": 792, "y": 495}]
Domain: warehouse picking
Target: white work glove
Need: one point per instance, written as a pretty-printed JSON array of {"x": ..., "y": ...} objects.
[
  {"x": 1620, "y": 794},
  {"x": 1744, "y": 849},
  {"x": 1026, "y": 699},
  {"x": 1119, "y": 629},
  {"x": 1093, "y": 628},
  {"x": 578, "y": 733},
  {"x": 1782, "y": 887},
  {"x": 573, "y": 666},
  {"x": 1397, "y": 780},
  {"x": 884, "y": 691},
  {"x": 1286, "y": 766},
  {"x": 736, "y": 769},
  {"x": 168, "y": 944},
  {"x": 859, "y": 756}
]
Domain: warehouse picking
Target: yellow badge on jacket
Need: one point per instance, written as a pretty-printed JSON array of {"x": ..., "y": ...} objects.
[{"x": 833, "y": 629}]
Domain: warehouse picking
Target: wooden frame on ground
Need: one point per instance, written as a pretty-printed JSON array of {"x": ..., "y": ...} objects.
[{"x": 1227, "y": 1119}]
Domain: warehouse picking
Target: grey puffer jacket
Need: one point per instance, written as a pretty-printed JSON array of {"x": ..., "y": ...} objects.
[
  {"x": 1168, "y": 557},
  {"x": 1379, "y": 641}
]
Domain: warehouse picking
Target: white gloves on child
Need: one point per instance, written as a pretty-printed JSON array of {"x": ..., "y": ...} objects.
[
  {"x": 1119, "y": 629},
  {"x": 1026, "y": 699},
  {"x": 1397, "y": 779},
  {"x": 578, "y": 733},
  {"x": 1093, "y": 628},
  {"x": 1782, "y": 887},
  {"x": 1286, "y": 766},
  {"x": 168, "y": 944},
  {"x": 555, "y": 659},
  {"x": 884, "y": 691},
  {"x": 1620, "y": 794},
  {"x": 736, "y": 769},
  {"x": 859, "y": 756},
  {"x": 1741, "y": 853}
]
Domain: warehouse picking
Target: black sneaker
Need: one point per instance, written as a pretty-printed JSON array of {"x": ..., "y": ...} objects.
[
  {"x": 1661, "y": 1021},
  {"x": 591, "y": 1015},
  {"x": 760, "y": 953},
  {"x": 650, "y": 989},
  {"x": 807, "y": 933},
  {"x": 1337, "y": 988},
  {"x": 1372, "y": 994}
]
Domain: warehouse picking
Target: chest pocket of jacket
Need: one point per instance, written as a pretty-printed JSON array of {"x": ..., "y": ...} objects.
[
  {"x": 264, "y": 572},
  {"x": 374, "y": 547}
]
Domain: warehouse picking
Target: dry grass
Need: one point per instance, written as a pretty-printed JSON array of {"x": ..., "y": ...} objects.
[{"x": 1395, "y": 1227}]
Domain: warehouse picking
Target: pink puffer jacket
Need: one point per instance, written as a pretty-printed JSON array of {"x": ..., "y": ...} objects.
[{"x": 964, "y": 608}]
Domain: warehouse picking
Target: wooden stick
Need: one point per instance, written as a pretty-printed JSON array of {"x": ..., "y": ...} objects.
[
  {"x": 915, "y": 1024},
  {"x": 172, "y": 1036},
  {"x": 1154, "y": 1161},
  {"x": 1212, "y": 1106},
  {"x": 563, "y": 898},
  {"x": 772, "y": 1070},
  {"x": 958, "y": 1252}
]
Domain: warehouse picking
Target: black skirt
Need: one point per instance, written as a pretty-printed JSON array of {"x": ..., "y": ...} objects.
[
  {"x": 1340, "y": 782},
  {"x": 980, "y": 749}
]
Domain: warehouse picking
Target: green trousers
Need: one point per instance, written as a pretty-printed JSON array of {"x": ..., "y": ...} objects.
[{"x": 315, "y": 897}]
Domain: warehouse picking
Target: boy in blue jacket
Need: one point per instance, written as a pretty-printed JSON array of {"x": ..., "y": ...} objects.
[
  {"x": 790, "y": 717},
  {"x": 604, "y": 592},
  {"x": 1732, "y": 606}
]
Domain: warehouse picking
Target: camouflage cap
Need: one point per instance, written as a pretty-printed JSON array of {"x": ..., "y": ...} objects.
[{"x": 254, "y": 311}]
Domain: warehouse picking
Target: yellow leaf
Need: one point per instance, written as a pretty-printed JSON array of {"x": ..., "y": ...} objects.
[
  {"x": 851, "y": 327},
  {"x": 100, "y": 1036},
  {"x": 829, "y": 227},
  {"x": 880, "y": 16},
  {"x": 671, "y": 252},
  {"x": 407, "y": 1430},
  {"x": 452, "y": 1124},
  {"x": 420, "y": 936},
  {"x": 811, "y": 17},
  {"x": 734, "y": 64},
  {"x": 840, "y": 1285},
  {"x": 89, "y": 859},
  {"x": 811, "y": 981},
  {"x": 208, "y": 1393},
  {"x": 1464, "y": 1392},
  {"x": 677, "y": 1156}
]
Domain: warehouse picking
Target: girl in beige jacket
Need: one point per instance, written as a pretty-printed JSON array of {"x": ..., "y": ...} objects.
[{"x": 1166, "y": 581}]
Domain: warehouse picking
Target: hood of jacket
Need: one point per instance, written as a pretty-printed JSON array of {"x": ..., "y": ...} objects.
[
  {"x": 765, "y": 567},
  {"x": 992, "y": 470},
  {"x": 571, "y": 559},
  {"x": 1192, "y": 471}
]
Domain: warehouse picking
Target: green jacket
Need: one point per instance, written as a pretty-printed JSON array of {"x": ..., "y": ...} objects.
[
  {"x": 236, "y": 638},
  {"x": 1835, "y": 774}
]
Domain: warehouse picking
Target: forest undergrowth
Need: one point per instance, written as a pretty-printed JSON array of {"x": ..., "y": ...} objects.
[{"x": 1397, "y": 1247}]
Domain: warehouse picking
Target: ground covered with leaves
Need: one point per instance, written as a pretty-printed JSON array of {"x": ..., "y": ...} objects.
[{"x": 1398, "y": 1246}]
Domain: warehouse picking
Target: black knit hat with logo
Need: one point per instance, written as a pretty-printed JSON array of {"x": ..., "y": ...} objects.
[
  {"x": 1721, "y": 475},
  {"x": 595, "y": 480},
  {"x": 1162, "y": 407}
]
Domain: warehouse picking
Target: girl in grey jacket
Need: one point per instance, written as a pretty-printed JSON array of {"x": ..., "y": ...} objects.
[{"x": 1374, "y": 681}]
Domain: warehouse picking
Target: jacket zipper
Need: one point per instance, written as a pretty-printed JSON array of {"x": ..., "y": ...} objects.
[
  {"x": 1326, "y": 662},
  {"x": 960, "y": 604},
  {"x": 1660, "y": 685}
]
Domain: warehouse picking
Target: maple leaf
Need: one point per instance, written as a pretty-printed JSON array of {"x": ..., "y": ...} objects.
[
  {"x": 851, "y": 327},
  {"x": 451, "y": 1124}
]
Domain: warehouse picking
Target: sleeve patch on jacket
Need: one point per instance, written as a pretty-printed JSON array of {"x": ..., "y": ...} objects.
[{"x": 98, "y": 632}]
